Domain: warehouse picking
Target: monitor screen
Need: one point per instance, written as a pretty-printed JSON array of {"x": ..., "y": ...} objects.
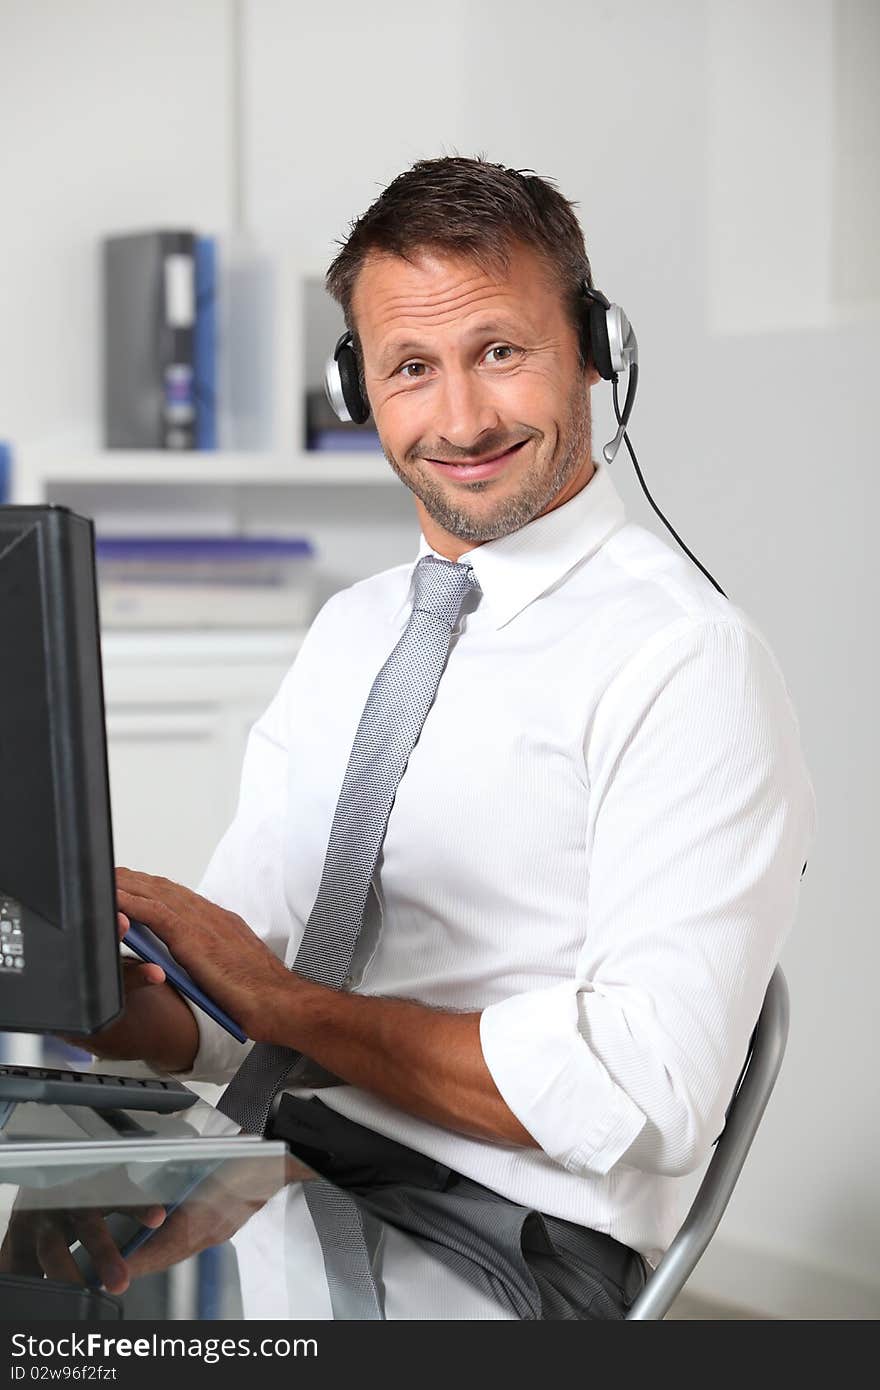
[{"x": 59, "y": 954}]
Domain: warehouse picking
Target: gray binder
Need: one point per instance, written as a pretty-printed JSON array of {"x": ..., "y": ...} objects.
[{"x": 149, "y": 323}]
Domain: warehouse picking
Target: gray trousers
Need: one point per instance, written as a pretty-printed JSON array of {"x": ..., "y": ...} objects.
[{"x": 537, "y": 1267}]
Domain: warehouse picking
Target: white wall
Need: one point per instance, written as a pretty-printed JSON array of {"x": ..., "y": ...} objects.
[
  {"x": 711, "y": 150},
  {"x": 112, "y": 117}
]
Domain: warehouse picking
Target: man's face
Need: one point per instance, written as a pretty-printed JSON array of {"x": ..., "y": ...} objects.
[{"x": 477, "y": 390}]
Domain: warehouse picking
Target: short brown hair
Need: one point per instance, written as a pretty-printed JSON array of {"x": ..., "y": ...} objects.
[{"x": 472, "y": 208}]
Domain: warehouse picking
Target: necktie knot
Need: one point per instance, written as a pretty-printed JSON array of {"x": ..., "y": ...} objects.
[{"x": 441, "y": 586}]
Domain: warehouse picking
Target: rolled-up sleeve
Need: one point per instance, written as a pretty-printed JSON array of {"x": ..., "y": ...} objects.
[
  {"x": 555, "y": 1085},
  {"x": 702, "y": 815}
]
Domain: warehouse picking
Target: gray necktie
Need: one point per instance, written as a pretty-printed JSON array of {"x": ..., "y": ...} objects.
[{"x": 392, "y": 720}]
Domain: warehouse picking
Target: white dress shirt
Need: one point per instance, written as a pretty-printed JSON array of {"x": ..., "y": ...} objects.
[{"x": 598, "y": 843}]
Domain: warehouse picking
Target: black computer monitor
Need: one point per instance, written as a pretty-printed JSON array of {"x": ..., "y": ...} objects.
[{"x": 59, "y": 952}]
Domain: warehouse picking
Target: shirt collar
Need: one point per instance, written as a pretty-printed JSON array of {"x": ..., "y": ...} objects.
[{"x": 515, "y": 570}]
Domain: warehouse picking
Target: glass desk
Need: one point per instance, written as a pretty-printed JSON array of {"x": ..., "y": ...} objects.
[
  {"x": 244, "y": 1233},
  {"x": 72, "y": 1177}
]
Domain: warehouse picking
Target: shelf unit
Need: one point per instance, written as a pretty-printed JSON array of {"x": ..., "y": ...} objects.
[
  {"x": 277, "y": 334},
  {"x": 40, "y": 471}
]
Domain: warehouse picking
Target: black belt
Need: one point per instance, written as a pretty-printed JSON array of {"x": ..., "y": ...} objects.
[{"x": 549, "y": 1267}]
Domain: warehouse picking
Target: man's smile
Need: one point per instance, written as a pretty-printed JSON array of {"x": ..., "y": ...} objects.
[{"x": 474, "y": 469}]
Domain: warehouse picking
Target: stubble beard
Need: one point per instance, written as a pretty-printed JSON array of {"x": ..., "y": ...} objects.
[{"x": 537, "y": 490}]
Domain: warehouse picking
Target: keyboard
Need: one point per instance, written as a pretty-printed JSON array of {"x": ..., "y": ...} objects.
[{"x": 52, "y": 1086}]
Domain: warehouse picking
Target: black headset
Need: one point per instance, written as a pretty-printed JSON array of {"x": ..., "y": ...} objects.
[{"x": 607, "y": 340}]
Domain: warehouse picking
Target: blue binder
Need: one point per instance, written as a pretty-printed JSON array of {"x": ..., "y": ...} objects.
[{"x": 205, "y": 343}]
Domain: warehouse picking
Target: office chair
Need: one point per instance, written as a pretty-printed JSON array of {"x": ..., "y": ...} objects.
[{"x": 756, "y": 1081}]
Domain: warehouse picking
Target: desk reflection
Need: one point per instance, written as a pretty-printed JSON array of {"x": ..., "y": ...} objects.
[{"x": 91, "y": 1200}]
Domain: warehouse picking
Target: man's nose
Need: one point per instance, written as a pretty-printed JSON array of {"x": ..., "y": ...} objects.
[{"x": 466, "y": 409}]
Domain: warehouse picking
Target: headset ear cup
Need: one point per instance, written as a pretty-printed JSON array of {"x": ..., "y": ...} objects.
[
  {"x": 349, "y": 379},
  {"x": 600, "y": 348}
]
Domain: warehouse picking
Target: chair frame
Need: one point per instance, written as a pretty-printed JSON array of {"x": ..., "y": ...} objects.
[{"x": 744, "y": 1114}]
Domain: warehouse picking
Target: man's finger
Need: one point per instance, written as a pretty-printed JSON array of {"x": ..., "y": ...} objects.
[
  {"x": 110, "y": 1268},
  {"x": 152, "y": 1216},
  {"x": 56, "y": 1261},
  {"x": 155, "y": 914},
  {"x": 18, "y": 1254},
  {"x": 138, "y": 976},
  {"x": 163, "y": 892}
]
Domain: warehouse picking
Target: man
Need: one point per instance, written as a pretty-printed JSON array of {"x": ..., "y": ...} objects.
[{"x": 593, "y": 853}]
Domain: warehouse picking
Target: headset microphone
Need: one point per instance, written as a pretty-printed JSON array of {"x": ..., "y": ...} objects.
[{"x": 632, "y": 382}]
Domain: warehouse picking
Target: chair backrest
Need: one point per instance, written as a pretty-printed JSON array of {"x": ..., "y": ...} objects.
[{"x": 744, "y": 1113}]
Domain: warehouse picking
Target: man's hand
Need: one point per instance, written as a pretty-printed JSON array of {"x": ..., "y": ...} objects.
[
  {"x": 218, "y": 1208},
  {"x": 425, "y": 1061},
  {"x": 156, "y": 1026},
  {"x": 38, "y": 1240},
  {"x": 216, "y": 947}
]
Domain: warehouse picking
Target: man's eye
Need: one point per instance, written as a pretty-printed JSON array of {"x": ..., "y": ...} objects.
[
  {"x": 501, "y": 352},
  {"x": 412, "y": 371}
]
